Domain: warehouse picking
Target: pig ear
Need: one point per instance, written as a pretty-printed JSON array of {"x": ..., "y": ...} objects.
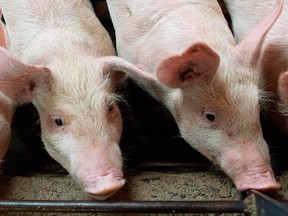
[
  {"x": 199, "y": 62},
  {"x": 2, "y": 34},
  {"x": 18, "y": 80},
  {"x": 250, "y": 47},
  {"x": 283, "y": 86},
  {"x": 113, "y": 64}
]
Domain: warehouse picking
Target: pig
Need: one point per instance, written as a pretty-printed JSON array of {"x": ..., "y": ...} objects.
[
  {"x": 13, "y": 93},
  {"x": 273, "y": 60},
  {"x": 80, "y": 120},
  {"x": 206, "y": 80},
  {"x": 6, "y": 103}
]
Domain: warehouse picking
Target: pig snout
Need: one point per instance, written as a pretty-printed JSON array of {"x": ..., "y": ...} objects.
[
  {"x": 99, "y": 170},
  {"x": 249, "y": 168},
  {"x": 103, "y": 186}
]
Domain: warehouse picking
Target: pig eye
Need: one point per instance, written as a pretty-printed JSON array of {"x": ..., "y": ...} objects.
[
  {"x": 58, "y": 121},
  {"x": 210, "y": 117}
]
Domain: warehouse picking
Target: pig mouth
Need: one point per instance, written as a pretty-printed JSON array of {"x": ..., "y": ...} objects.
[
  {"x": 103, "y": 186},
  {"x": 263, "y": 181}
]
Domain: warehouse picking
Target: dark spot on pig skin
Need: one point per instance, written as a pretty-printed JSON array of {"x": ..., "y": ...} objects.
[
  {"x": 187, "y": 72},
  {"x": 32, "y": 85}
]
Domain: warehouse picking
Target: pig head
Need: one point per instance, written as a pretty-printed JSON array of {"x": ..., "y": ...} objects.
[
  {"x": 208, "y": 83},
  {"x": 81, "y": 124},
  {"x": 80, "y": 120}
]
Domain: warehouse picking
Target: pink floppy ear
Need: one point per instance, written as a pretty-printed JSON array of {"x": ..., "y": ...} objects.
[
  {"x": 199, "y": 62},
  {"x": 283, "y": 86},
  {"x": 17, "y": 80},
  {"x": 2, "y": 34},
  {"x": 117, "y": 68}
]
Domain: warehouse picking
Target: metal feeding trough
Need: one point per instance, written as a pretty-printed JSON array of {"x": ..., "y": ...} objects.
[{"x": 255, "y": 203}]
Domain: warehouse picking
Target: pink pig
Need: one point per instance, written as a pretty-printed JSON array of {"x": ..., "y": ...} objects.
[
  {"x": 16, "y": 91},
  {"x": 81, "y": 123},
  {"x": 208, "y": 83},
  {"x": 6, "y": 104},
  {"x": 274, "y": 53},
  {"x": 12, "y": 93}
]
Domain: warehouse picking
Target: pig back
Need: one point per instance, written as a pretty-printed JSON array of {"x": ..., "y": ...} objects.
[{"x": 150, "y": 31}]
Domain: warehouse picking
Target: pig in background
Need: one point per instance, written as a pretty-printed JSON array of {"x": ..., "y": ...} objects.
[
  {"x": 273, "y": 60},
  {"x": 13, "y": 93},
  {"x": 80, "y": 120},
  {"x": 208, "y": 83}
]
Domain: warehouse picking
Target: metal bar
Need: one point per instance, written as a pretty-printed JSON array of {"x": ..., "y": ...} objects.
[
  {"x": 124, "y": 207},
  {"x": 267, "y": 206}
]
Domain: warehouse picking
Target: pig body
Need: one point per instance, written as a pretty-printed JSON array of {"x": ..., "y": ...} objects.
[
  {"x": 273, "y": 61},
  {"x": 208, "y": 83},
  {"x": 80, "y": 120}
]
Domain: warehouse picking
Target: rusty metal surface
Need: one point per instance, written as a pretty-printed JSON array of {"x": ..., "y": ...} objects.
[
  {"x": 256, "y": 204},
  {"x": 124, "y": 207}
]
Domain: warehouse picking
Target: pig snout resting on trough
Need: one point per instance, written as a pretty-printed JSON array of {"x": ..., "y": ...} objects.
[
  {"x": 207, "y": 81},
  {"x": 273, "y": 61},
  {"x": 81, "y": 123}
]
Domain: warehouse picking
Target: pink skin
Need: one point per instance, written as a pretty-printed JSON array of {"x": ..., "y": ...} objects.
[
  {"x": 2, "y": 35},
  {"x": 273, "y": 61},
  {"x": 238, "y": 165},
  {"x": 202, "y": 72},
  {"x": 14, "y": 91},
  {"x": 98, "y": 170},
  {"x": 283, "y": 86},
  {"x": 6, "y": 106}
]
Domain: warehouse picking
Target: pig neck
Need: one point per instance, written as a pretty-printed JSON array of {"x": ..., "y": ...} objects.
[{"x": 55, "y": 29}]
